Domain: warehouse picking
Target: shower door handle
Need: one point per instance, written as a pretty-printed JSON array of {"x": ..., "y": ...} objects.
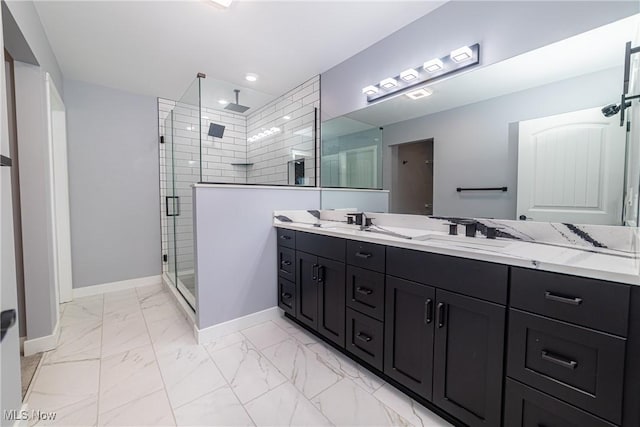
[{"x": 176, "y": 205}]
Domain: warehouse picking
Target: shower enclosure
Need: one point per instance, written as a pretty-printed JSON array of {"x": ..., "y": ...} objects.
[{"x": 274, "y": 144}]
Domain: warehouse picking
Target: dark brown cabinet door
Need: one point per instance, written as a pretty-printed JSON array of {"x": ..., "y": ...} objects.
[
  {"x": 408, "y": 347},
  {"x": 331, "y": 300},
  {"x": 468, "y": 358},
  {"x": 307, "y": 289}
]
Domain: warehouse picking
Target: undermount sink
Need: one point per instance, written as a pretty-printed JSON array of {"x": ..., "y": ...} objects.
[{"x": 481, "y": 242}]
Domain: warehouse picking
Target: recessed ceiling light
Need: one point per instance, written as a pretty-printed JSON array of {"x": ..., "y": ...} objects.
[
  {"x": 408, "y": 75},
  {"x": 433, "y": 65},
  {"x": 389, "y": 83},
  {"x": 461, "y": 54},
  {"x": 223, "y": 3},
  {"x": 287, "y": 117},
  {"x": 420, "y": 93},
  {"x": 223, "y": 102},
  {"x": 370, "y": 90},
  {"x": 251, "y": 77}
]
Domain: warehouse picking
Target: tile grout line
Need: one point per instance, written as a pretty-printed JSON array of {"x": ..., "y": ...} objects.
[
  {"x": 155, "y": 356},
  {"x": 100, "y": 365},
  {"x": 227, "y": 382}
]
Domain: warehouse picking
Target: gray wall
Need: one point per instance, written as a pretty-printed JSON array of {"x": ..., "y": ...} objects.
[
  {"x": 113, "y": 184},
  {"x": 476, "y": 145},
  {"x": 503, "y": 28},
  {"x": 236, "y": 248}
]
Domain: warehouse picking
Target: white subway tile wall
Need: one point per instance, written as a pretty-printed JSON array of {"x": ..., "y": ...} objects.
[{"x": 269, "y": 155}]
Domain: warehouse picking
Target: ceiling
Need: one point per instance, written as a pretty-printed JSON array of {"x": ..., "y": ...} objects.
[
  {"x": 592, "y": 51},
  {"x": 157, "y": 47}
]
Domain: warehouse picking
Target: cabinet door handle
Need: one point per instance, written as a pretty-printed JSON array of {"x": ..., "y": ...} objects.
[
  {"x": 428, "y": 311},
  {"x": 558, "y": 360},
  {"x": 321, "y": 273},
  {"x": 363, "y": 255},
  {"x": 286, "y": 263},
  {"x": 363, "y": 337},
  {"x": 286, "y": 295},
  {"x": 285, "y": 237},
  {"x": 364, "y": 291},
  {"x": 558, "y": 298},
  {"x": 314, "y": 273},
  {"x": 441, "y": 314}
]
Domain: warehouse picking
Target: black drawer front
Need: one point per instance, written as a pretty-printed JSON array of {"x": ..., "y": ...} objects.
[
  {"x": 587, "y": 302},
  {"x": 366, "y": 255},
  {"x": 287, "y": 263},
  {"x": 365, "y": 291},
  {"x": 465, "y": 276},
  {"x": 578, "y": 365},
  {"x": 287, "y": 238},
  {"x": 287, "y": 296},
  {"x": 323, "y": 246},
  {"x": 527, "y": 407},
  {"x": 365, "y": 338}
]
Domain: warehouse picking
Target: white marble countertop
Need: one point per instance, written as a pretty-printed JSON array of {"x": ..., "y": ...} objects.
[{"x": 615, "y": 266}]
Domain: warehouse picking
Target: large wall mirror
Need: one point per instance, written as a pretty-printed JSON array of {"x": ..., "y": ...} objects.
[{"x": 525, "y": 138}]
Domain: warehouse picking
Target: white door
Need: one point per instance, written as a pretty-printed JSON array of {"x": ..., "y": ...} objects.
[{"x": 571, "y": 168}]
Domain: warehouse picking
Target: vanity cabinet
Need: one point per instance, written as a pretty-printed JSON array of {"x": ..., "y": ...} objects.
[
  {"x": 567, "y": 339},
  {"x": 320, "y": 285},
  {"x": 409, "y": 314},
  {"x": 454, "y": 332}
]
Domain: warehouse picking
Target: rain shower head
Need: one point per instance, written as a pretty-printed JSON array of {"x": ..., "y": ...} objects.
[{"x": 236, "y": 107}]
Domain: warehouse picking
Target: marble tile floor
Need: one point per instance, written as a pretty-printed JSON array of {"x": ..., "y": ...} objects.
[{"x": 129, "y": 359}]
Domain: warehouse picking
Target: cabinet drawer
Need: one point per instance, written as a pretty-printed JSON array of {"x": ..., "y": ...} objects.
[
  {"x": 578, "y": 365},
  {"x": 365, "y": 338},
  {"x": 474, "y": 278},
  {"x": 365, "y": 292},
  {"x": 287, "y": 296},
  {"x": 323, "y": 246},
  {"x": 587, "y": 302},
  {"x": 366, "y": 255},
  {"x": 287, "y": 238},
  {"x": 527, "y": 407},
  {"x": 287, "y": 263}
]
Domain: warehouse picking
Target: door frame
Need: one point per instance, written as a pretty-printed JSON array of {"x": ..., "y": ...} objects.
[
  {"x": 59, "y": 192},
  {"x": 395, "y": 148}
]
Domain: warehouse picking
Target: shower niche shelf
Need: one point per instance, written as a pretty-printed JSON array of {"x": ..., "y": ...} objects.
[{"x": 241, "y": 164}]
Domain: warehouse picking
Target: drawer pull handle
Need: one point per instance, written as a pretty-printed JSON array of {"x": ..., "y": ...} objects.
[
  {"x": 364, "y": 291},
  {"x": 363, "y": 337},
  {"x": 363, "y": 255},
  {"x": 314, "y": 272},
  {"x": 558, "y": 360},
  {"x": 567, "y": 300},
  {"x": 441, "y": 314},
  {"x": 286, "y": 295},
  {"x": 283, "y": 237},
  {"x": 286, "y": 263},
  {"x": 428, "y": 311}
]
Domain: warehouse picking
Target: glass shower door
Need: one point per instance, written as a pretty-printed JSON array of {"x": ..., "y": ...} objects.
[{"x": 169, "y": 200}]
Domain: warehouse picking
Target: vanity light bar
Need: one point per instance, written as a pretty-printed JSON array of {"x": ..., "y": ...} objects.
[
  {"x": 423, "y": 92},
  {"x": 433, "y": 69},
  {"x": 263, "y": 134}
]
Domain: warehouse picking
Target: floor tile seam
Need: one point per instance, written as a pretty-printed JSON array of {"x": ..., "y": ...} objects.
[
  {"x": 155, "y": 356},
  {"x": 100, "y": 368},
  {"x": 138, "y": 347}
]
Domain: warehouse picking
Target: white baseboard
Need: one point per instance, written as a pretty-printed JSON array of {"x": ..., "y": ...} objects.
[
  {"x": 221, "y": 329},
  {"x": 116, "y": 286},
  {"x": 46, "y": 343}
]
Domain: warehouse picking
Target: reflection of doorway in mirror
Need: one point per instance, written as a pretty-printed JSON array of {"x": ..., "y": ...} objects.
[
  {"x": 571, "y": 168},
  {"x": 412, "y": 178},
  {"x": 295, "y": 172}
]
